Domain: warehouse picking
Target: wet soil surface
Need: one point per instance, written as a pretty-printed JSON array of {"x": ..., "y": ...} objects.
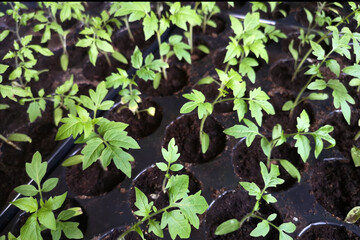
[{"x": 324, "y": 232}]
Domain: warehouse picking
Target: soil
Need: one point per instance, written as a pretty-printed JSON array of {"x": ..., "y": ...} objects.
[
  {"x": 176, "y": 79},
  {"x": 138, "y": 127},
  {"x": 277, "y": 99},
  {"x": 185, "y": 130},
  {"x": 236, "y": 204},
  {"x": 210, "y": 31},
  {"x": 197, "y": 55},
  {"x": 281, "y": 72},
  {"x": 93, "y": 181},
  {"x": 246, "y": 162},
  {"x": 46, "y": 234},
  {"x": 343, "y": 133},
  {"x": 323, "y": 232},
  {"x": 100, "y": 71},
  {"x": 150, "y": 183},
  {"x": 211, "y": 92},
  {"x": 335, "y": 185}
]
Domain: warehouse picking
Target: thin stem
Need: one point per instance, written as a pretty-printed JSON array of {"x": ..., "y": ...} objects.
[
  {"x": 122, "y": 236},
  {"x": 107, "y": 58},
  {"x": 9, "y": 142},
  {"x": 263, "y": 219},
  {"x": 128, "y": 29},
  {"x": 161, "y": 57}
]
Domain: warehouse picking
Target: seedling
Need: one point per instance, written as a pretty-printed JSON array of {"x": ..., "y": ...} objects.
[
  {"x": 262, "y": 229},
  {"x": 105, "y": 140},
  {"x": 340, "y": 45},
  {"x": 238, "y": 52},
  {"x": 42, "y": 210},
  {"x": 250, "y": 131},
  {"x": 263, "y": 7},
  {"x": 183, "y": 209},
  {"x": 98, "y": 37}
]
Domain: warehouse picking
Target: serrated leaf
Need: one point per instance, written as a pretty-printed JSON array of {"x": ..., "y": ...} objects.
[
  {"x": 27, "y": 190},
  {"x": 177, "y": 224},
  {"x": 303, "y": 146},
  {"x": 150, "y": 24},
  {"x": 303, "y": 122},
  {"x": 142, "y": 203},
  {"x": 36, "y": 169},
  {"x": 239, "y": 131},
  {"x": 47, "y": 218},
  {"x": 177, "y": 187},
  {"x": 27, "y": 204},
  {"x": 318, "y": 51},
  {"x": 92, "y": 152}
]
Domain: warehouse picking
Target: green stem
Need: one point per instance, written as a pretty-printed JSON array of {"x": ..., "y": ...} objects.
[
  {"x": 107, "y": 58},
  {"x": 133, "y": 227},
  {"x": 128, "y": 29},
  {"x": 9, "y": 142},
  {"x": 263, "y": 219},
  {"x": 161, "y": 56}
]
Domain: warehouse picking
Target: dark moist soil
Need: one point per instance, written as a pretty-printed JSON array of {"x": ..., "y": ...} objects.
[
  {"x": 115, "y": 233},
  {"x": 138, "y": 127},
  {"x": 236, "y": 204},
  {"x": 277, "y": 99},
  {"x": 211, "y": 92},
  {"x": 324, "y": 232},
  {"x": 246, "y": 162},
  {"x": 185, "y": 130},
  {"x": 197, "y": 55},
  {"x": 46, "y": 234},
  {"x": 343, "y": 133},
  {"x": 210, "y": 31},
  {"x": 335, "y": 185},
  {"x": 281, "y": 72},
  {"x": 150, "y": 183},
  {"x": 100, "y": 71},
  {"x": 176, "y": 79},
  {"x": 7, "y": 184},
  {"x": 93, "y": 181}
]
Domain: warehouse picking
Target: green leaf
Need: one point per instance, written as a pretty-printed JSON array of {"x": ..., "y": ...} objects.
[
  {"x": 228, "y": 226},
  {"x": 41, "y": 50},
  {"x": 291, "y": 169},
  {"x": 246, "y": 69},
  {"x": 93, "y": 53},
  {"x": 171, "y": 155},
  {"x": 204, "y": 49},
  {"x": 353, "y": 70},
  {"x": 162, "y": 166},
  {"x": 65, "y": 12},
  {"x": 31, "y": 229},
  {"x": 303, "y": 146},
  {"x": 47, "y": 218},
  {"x": 58, "y": 113},
  {"x": 318, "y": 51},
  {"x": 178, "y": 187},
  {"x": 120, "y": 57},
  {"x": 205, "y": 141},
  {"x": 318, "y": 96},
  {"x": 92, "y": 152},
  {"x": 293, "y": 52},
  {"x": 122, "y": 160},
  {"x": 64, "y": 61},
  {"x": 355, "y": 155},
  {"x": 85, "y": 42},
  {"x": 27, "y": 204},
  {"x": 252, "y": 188},
  {"x": 50, "y": 184},
  {"x": 317, "y": 85},
  {"x": 303, "y": 122},
  {"x": 181, "y": 15},
  {"x": 104, "y": 45},
  {"x": 236, "y": 26},
  {"x": 4, "y": 34},
  {"x": 270, "y": 178},
  {"x": 353, "y": 215},
  {"x": 334, "y": 66},
  {"x": 150, "y": 23},
  {"x": 15, "y": 74},
  {"x": 56, "y": 202},
  {"x": 71, "y": 230},
  {"x": 252, "y": 20},
  {"x": 261, "y": 229},
  {"x": 142, "y": 203},
  {"x": 36, "y": 169},
  {"x": 266, "y": 147},
  {"x": 239, "y": 131},
  {"x": 137, "y": 58},
  {"x": 177, "y": 224},
  {"x": 288, "y": 227},
  {"x": 154, "y": 226},
  {"x": 19, "y": 137},
  {"x": 27, "y": 190},
  {"x": 176, "y": 167},
  {"x": 118, "y": 138},
  {"x": 69, "y": 213},
  {"x": 72, "y": 126}
]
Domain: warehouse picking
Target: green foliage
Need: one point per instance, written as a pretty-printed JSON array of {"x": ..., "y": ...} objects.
[
  {"x": 42, "y": 216},
  {"x": 182, "y": 210},
  {"x": 353, "y": 215},
  {"x": 270, "y": 179}
]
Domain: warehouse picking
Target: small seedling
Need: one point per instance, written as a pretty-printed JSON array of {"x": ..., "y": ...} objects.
[
  {"x": 262, "y": 229},
  {"x": 250, "y": 131},
  {"x": 15, "y": 137},
  {"x": 42, "y": 210},
  {"x": 183, "y": 209}
]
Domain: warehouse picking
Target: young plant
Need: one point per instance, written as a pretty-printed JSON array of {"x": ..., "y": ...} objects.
[
  {"x": 250, "y": 131},
  {"x": 255, "y": 6},
  {"x": 156, "y": 25},
  {"x": 48, "y": 22},
  {"x": 105, "y": 140},
  {"x": 262, "y": 229},
  {"x": 183, "y": 209},
  {"x": 340, "y": 44},
  {"x": 148, "y": 70},
  {"x": 42, "y": 210},
  {"x": 98, "y": 37}
]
